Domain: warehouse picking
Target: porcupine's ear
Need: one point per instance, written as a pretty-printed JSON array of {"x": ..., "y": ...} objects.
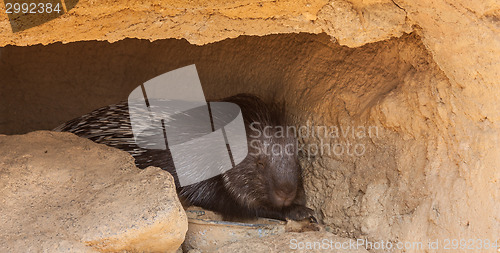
[
  {"x": 277, "y": 110},
  {"x": 250, "y": 106}
]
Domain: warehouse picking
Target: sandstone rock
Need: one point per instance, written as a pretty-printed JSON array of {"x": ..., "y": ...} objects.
[
  {"x": 353, "y": 22},
  {"x": 62, "y": 193},
  {"x": 432, "y": 172}
]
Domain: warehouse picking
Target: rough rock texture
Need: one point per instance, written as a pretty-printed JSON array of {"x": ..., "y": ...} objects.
[
  {"x": 464, "y": 39},
  {"x": 427, "y": 170},
  {"x": 423, "y": 173},
  {"x": 202, "y": 22},
  {"x": 430, "y": 172},
  {"x": 62, "y": 193},
  {"x": 296, "y": 242}
]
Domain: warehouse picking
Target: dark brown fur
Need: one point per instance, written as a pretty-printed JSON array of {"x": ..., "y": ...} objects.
[{"x": 263, "y": 184}]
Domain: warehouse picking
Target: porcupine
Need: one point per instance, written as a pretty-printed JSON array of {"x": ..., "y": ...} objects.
[{"x": 262, "y": 185}]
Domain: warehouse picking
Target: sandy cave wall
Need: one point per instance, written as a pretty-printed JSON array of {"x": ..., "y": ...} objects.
[
  {"x": 463, "y": 36},
  {"x": 48, "y": 85},
  {"x": 431, "y": 173},
  {"x": 419, "y": 177}
]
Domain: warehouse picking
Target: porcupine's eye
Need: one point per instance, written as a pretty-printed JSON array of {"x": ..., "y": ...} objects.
[{"x": 260, "y": 164}]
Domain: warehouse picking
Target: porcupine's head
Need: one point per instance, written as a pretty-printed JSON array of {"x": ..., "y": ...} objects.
[{"x": 270, "y": 176}]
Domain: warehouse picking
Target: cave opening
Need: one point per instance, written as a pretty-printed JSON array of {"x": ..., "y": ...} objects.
[{"x": 322, "y": 83}]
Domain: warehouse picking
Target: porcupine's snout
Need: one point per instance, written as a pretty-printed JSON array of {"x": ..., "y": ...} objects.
[{"x": 283, "y": 195}]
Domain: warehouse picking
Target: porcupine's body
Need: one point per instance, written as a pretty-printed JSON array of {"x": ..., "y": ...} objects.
[{"x": 263, "y": 184}]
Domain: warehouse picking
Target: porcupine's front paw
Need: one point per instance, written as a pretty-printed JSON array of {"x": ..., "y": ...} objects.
[{"x": 299, "y": 212}]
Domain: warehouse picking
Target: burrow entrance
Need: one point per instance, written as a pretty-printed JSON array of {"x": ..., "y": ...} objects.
[{"x": 377, "y": 99}]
